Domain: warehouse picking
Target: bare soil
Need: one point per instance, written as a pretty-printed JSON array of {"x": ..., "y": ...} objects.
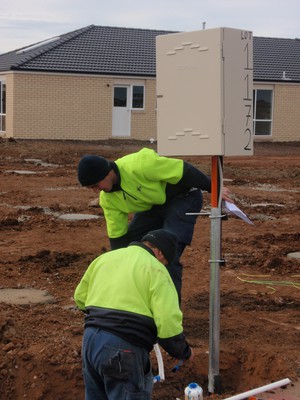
[{"x": 40, "y": 343}]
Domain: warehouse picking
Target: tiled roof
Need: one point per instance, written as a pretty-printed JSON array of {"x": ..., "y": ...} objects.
[
  {"x": 129, "y": 51},
  {"x": 276, "y": 59},
  {"x": 94, "y": 49}
]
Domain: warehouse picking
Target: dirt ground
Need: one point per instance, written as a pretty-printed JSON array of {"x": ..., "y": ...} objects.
[{"x": 40, "y": 343}]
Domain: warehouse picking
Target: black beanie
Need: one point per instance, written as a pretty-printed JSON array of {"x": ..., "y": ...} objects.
[
  {"x": 92, "y": 169},
  {"x": 165, "y": 241}
]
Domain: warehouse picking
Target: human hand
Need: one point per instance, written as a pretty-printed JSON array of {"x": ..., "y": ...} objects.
[
  {"x": 226, "y": 195},
  {"x": 191, "y": 357}
]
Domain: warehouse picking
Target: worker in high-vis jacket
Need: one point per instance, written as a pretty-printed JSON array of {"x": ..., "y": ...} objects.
[
  {"x": 130, "y": 303},
  {"x": 160, "y": 191}
]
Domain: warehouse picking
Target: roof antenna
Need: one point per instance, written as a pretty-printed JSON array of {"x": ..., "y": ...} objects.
[
  {"x": 203, "y": 25},
  {"x": 284, "y": 77}
]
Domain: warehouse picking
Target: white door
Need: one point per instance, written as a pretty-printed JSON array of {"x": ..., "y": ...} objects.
[{"x": 121, "y": 111}]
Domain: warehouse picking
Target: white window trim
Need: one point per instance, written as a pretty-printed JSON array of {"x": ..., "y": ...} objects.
[
  {"x": 263, "y": 87},
  {"x": 138, "y": 109},
  {"x": 3, "y": 82}
]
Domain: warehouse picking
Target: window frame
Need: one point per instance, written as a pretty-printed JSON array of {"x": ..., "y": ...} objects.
[
  {"x": 132, "y": 97},
  {"x": 259, "y": 120},
  {"x": 2, "y": 106}
]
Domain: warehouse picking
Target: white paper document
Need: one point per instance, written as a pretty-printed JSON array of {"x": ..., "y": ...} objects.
[{"x": 231, "y": 207}]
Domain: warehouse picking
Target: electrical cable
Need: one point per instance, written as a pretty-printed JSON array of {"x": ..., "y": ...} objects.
[
  {"x": 161, "y": 371},
  {"x": 273, "y": 283}
]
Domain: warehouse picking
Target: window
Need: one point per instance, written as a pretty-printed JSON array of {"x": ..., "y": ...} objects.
[
  {"x": 137, "y": 97},
  {"x": 2, "y": 106},
  {"x": 124, "y": 96},
  {"x": 263, "y": 105},
  {"x": 120, "y": 96}
]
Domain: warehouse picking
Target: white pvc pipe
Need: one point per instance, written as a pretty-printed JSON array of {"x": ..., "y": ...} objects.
[
  {"x": 261, "y": 389},
  {"x": 161, "y": 371}
]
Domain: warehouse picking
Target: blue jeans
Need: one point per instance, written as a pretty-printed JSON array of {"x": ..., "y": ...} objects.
[{"x": 114, "y": 369}]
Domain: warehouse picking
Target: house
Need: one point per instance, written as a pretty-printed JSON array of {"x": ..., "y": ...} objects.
[{"x": 100, "y": 82}]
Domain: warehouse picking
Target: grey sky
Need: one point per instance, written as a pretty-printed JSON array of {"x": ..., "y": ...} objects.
[{"x": 23, "y": 23}]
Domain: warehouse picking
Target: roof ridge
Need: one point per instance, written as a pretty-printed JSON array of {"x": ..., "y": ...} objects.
[{"x": 135, "y": 29}]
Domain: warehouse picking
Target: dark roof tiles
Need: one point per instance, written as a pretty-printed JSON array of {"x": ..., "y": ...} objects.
[
  {"x": 130, "y": 51},
  {"x": 94, "y": 49},
  {"x": 276, "y": 59}
]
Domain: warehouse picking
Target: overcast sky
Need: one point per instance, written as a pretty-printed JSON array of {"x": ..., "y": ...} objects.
[{"x": 24, "y": 22}]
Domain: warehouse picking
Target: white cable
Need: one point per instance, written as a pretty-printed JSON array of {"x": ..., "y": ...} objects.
[{"x": 161, "y": 372}]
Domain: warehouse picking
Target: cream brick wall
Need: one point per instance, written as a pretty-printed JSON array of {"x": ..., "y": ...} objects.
[
  {"x": 73, "y": 107},
  {"x": 143, "y": 123},
  {"x": 79, "y": 107},
  {"x": 286, "y": 113},
  {"x": 53, "y": 106},
  {"x": 286, "y": 116}
]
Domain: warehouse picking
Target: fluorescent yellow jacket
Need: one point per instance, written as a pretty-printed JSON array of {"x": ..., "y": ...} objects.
[
  {"x": 144, "y": 176},
  {"x": 128, "y": 292}
]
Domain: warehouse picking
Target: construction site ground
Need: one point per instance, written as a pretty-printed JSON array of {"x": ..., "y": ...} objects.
[{"x": 45, "y": 251}]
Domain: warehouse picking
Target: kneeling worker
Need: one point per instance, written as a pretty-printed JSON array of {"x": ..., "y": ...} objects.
[{"x": 130, "y": 303}]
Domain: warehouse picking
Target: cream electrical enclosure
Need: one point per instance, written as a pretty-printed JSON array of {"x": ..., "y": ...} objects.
[{"x": 204, "y": 92}]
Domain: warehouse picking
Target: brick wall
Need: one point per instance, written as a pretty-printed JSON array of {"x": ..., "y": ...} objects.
[
  {"x": 143, "y": 123},
  {"x": 53, "y": 106},
  {"x": 73, "y": 107},
  {"x": 286, "y": 113},
  {"x": 79, "y": 107}
]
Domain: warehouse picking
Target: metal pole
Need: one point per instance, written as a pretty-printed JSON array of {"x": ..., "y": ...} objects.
[{"x": 214, "y": 379}]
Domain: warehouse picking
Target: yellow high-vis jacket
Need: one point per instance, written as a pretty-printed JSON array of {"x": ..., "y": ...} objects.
[{"x": 129, "y": 293}]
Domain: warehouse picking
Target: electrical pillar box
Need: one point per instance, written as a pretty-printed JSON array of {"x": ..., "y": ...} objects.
[{"x": 205, "y": 93}]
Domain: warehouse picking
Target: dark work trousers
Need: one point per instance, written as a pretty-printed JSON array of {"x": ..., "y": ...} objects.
[{"x": 171, "y": 216}]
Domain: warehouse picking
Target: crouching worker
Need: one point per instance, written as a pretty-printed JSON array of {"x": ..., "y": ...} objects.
[{"x": 130, "y": 303}]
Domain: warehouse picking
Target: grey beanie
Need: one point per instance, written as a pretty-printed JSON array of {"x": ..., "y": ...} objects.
[
  {"x": 92, "y": 169},
  {"x": 165, "y": 241}
]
